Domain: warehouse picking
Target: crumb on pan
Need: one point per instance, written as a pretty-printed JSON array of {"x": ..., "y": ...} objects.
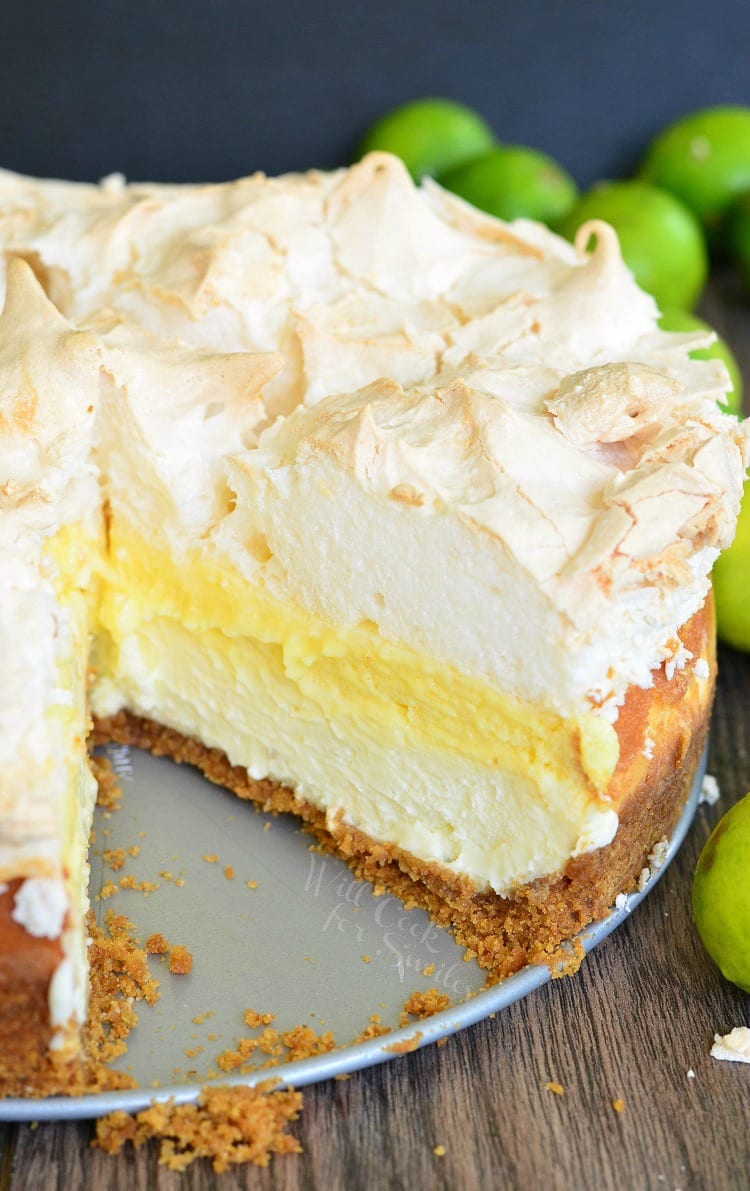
[
  {"x": 288, "y": 1046},
  {"x": 144, "y": 887},
  {"x": 114, "y": 858},
  {"x": 424, "y": 1004},
  {"x": 373, "y": 1029},
  {"x": 109, "y": 792},
  {"x": 254, "y": 1020},
  {"x": 180, "y": 961},
  {"x": 156, "y": 944}
]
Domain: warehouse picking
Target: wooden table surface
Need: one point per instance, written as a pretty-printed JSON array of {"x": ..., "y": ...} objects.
[{"x": 640, "y": 1015}]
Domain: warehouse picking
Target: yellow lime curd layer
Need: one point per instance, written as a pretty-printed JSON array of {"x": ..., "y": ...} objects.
[{"x": 407, "y": 748}]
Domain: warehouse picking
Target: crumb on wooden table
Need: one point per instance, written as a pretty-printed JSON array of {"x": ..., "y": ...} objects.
[
  {"x": 618, "y": 1105},
  {"x": 229, "y": 1126},
  {"x": 555, "y": 1087}
]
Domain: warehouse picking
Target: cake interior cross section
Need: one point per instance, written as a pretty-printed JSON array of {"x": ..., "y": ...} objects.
[{"x": 375, "y": 509}]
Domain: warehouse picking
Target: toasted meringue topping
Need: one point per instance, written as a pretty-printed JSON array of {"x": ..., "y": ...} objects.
[{"x": 463, "y": 370}]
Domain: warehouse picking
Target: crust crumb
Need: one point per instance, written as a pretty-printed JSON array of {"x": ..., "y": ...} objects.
[
  {"x": 144, "y": 887},
  {"x": 303, "y": 1043},
  {"x": 409, "y": 1044},
  {"x": 156, "y": 944},
  {"x": 119, "y": 977},
  {"x": 114, "y": 858},
  {"x": 255, "y": 1020},
  {"x": 439, "y": 1151},
  {"x": 424, "y": 1004},
  {"x": 564, "y": 961},
  {"x": 109, "y": 792},
  {"x": 374, "y": 1029},
  {"x": 618, "y": 1105},
  {"x": 229, "y": 1126},
  {"x": 180, "y": 961},
  {"x": 299, "y": 1043},
  {"x": 201, "y": 1017},
  {"x": 556, "y": 1088}
]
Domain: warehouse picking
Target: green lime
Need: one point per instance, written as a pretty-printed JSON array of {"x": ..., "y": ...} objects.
[
  {"x": 512, "y": 182},
  {"x": 681, "y": 320},
  {"x": 661, "y": 240},
  {"x": 429, "y": 135},
  {"x": 721, "y": 894},
  {"x": 704, "y": 159},
  {"x": 738, "y": 236},
  {"x": 731, "y": 580}
]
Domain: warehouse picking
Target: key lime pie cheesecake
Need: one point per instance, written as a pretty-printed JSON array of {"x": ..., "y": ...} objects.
[{"x": 374, "y": 508}]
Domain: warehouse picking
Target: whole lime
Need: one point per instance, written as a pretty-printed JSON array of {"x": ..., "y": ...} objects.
[
  {"x": 513, "y": 182},
  {"x": 738, "y": 236},
  {"x": 731, "y": 580},
  {"x": 704, "y": 159},
  {"x": 721, "y": 894},
  {"x": 429, "y": 135},
  {"x": 681, "y": 320},
  {"x": 661, "y": 241}
]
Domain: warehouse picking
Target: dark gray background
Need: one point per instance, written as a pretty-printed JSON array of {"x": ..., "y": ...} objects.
[{"x": 182, "y": 89}]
